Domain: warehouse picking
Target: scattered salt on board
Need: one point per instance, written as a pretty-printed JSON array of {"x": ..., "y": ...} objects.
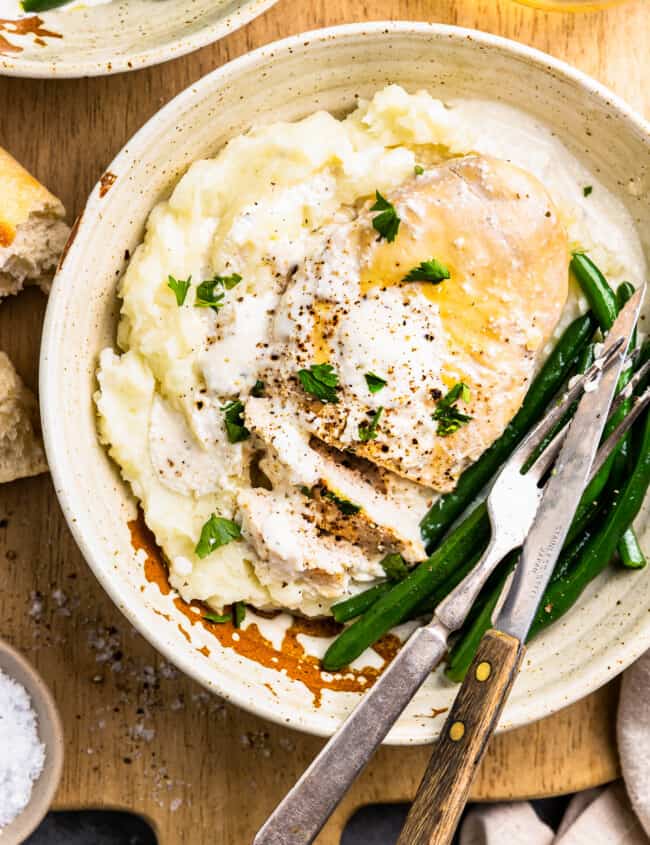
[{"x": 22, "y": 754}]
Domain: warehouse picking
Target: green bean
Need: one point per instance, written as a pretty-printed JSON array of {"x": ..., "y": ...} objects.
[
  {"x": 624, "y": 293},
  {"x": 343, "y": 611},
  {"x": 630, "y": 551},
  {"x": 547, "y": 383},
  {"x": 585, "y": 359},
  {"x": 395, "y": 606},
  {"x": 42, "y": 5},
  {"x": 463, "y": 650},
  {"x": 429, "y": 604},
  {"x": 642, "y": 358},
  {"x": 593, "y": 491},
  {"x": 600, "y": 296},
  {"x": 590, "y": 499},
  {"x": 644, "y": 354},
  {"x": 629, "y": 548},
  {"x": 626, "y": 504}
]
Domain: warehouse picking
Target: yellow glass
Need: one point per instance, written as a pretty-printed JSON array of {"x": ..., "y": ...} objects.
[{"x": 570, "y": 5}]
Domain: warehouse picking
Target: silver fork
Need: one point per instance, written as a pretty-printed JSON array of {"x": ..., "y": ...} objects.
[{"x": 300, "y": 816}]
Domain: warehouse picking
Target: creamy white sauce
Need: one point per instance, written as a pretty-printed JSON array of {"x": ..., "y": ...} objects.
[
  {"x": 265, "y": 208},
  {"x": 182, "y": 463},
  {"x": 231, "y": 362}
]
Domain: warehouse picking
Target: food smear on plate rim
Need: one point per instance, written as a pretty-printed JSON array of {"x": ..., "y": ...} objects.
[
  {"x": 289, "y": 656},
  {"x": 11, "y": 28},
  {"x": 312, "y": 349}
]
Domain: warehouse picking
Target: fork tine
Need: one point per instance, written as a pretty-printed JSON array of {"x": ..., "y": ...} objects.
[
  {"x": 530, "y": 443},
  {"x": 545, "y": 460},
  {"x": 640, "y": 403},
  {"x": 633, "y": 354},
  {"x": 630, "y": 387}
]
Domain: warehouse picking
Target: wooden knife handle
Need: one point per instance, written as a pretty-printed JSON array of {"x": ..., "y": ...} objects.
[{"x": 443, "y": 792}]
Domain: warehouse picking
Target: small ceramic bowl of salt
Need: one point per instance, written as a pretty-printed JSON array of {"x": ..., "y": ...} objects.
[{"x": 31, "y": 747}]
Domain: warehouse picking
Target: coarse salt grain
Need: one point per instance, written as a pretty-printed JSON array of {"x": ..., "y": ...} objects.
[{"x": 22, "y": 754}]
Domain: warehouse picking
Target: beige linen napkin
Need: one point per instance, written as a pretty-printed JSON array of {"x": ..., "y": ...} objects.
[
  {"x": 633, "y": 734},
  {"x": 618, "y": 814}
]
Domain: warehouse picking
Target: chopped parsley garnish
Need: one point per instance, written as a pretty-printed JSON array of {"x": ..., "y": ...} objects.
[
  {"x": 180, "y": 288},
  {"x": 233, "y": 413},
  {"x": 433, "y": 271},
  {"x": 217, "y": 618},
  {"x": 320, "y": 381},
  {"x": 387, "y": 222},
  {"x": 209, "y": 294},
  {"x": 587, "y": 190},
  {"x": 216, "y": 532},
  {"x": 418, "y": 170},
  {"x": 375, "y": 383},
  {"x": 394, "y": 567},
  {"x": 346, "y": 507},
  {"x": 307, "y": 491},
  {"x": 447, "y": 415},
  {"x": 368, "y": 431},
  {"x": 238, "y": 613},
  {"x": 258, "y": 389},
  {"x": 228, "y": 282}
]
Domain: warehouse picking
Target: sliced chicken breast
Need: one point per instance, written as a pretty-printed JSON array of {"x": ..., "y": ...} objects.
[{"x": 348, "y": 500}]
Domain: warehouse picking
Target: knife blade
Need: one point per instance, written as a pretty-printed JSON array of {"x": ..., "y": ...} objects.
[{"x": 565, "y": 487}]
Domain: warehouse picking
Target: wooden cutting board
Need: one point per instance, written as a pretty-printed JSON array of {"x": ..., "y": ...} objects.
[{"x": 138, "y": 735}]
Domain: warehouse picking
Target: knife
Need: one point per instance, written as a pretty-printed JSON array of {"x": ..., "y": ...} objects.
[{"x": 443, "y": 792}]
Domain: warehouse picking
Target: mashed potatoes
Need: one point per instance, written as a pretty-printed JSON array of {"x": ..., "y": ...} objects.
[{"x": 295, "y": 386}]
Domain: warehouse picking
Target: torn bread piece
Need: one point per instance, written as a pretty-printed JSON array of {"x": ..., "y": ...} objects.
[
  {"x": 21, "y": 447},
  {"x": 32, "y": 229}
]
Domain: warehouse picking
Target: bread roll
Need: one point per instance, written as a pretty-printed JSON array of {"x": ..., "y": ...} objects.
[
  {"x": 21, "y": 450},
  {"x": 32, "y": 230}
]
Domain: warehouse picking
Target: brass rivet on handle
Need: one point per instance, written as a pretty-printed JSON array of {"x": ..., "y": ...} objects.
[
  {"x": 483, "y": 671},
  {"x": 456, "y": 731}
]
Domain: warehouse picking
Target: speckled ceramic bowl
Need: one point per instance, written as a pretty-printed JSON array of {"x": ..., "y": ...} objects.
[
  {"x": 117, "y": 36},
  {"x": 329, "y": 69}
]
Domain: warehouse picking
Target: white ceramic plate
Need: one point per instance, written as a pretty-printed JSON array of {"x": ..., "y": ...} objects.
[
  {"x": 609, "y": 627},
  {"x": 117, "y": 36}
]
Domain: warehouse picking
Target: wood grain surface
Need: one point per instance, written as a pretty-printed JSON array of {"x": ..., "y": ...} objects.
[{"x": 138, "y": 735}]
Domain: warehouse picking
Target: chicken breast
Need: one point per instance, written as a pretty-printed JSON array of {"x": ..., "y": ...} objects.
[
  {"x": 281, "y": 526},
  {"x": 496, "y": 280},
  {"x": 347, "y": 497}
]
